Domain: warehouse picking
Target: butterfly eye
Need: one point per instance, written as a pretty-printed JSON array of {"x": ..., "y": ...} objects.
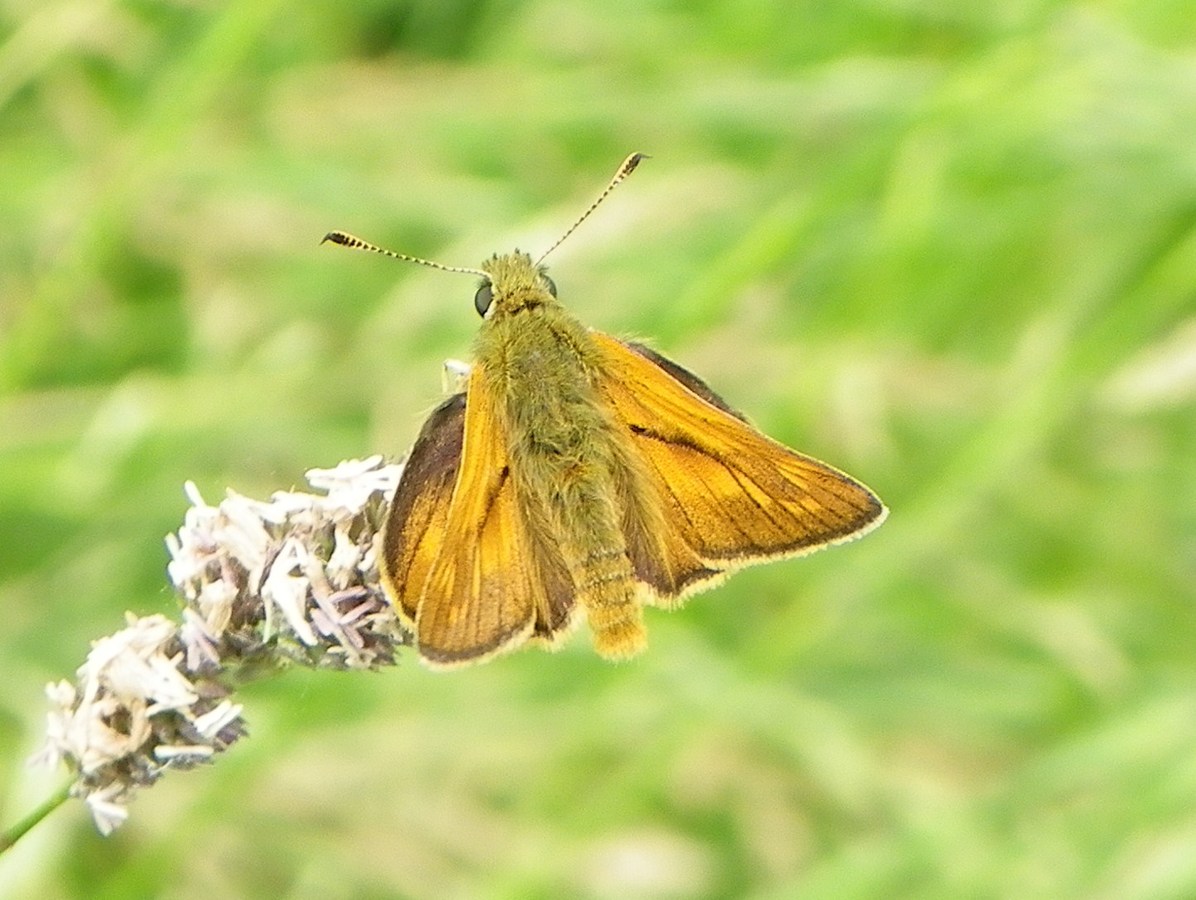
[
  {"x": 483, "y": 298},
  {"x": 550, "y": 284}
]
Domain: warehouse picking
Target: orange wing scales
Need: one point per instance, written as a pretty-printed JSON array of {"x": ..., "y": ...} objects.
[
  {"x": 476, "y": 568},
  {"x": 480, "y": 595},
  {"x": 732, "y": 495},
  {"x": 457, "y": 557}
]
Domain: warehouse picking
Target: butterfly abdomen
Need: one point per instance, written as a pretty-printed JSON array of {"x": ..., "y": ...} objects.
[
  {"x": 585, "y": 516},
  {"x": 607, "y": 590}
]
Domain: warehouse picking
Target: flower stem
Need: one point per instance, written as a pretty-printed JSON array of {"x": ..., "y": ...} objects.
[{"x": 12, "y": 835}]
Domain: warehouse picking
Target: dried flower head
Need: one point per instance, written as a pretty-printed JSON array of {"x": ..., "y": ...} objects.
[{"x": 263, "y": 584}]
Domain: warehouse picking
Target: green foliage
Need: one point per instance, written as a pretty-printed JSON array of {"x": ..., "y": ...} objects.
[{"x": 949, "y": 247}]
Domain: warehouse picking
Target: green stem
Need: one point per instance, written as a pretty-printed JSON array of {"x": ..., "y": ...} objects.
[{"x": 18, "y": 831}]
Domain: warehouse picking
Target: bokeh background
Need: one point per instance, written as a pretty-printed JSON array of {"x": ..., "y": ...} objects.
[{"x": 949, "y": 247}]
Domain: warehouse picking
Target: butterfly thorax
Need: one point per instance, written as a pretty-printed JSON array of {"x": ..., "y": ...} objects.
[
  {"x": 568, "y": 459},
  {"x": 542, "y": 364}
]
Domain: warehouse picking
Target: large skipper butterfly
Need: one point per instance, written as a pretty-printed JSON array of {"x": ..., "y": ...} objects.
[{"x": 578, "y": 473}]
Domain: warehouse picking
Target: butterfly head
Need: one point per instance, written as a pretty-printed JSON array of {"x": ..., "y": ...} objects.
[{"x": 513, "y": 283}]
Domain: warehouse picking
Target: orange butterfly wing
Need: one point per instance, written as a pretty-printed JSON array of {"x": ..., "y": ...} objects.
[
  {"x": 731, "y": 496},
  {"x": 459, "y": 560},
  {"x": 415, "y": 521}
]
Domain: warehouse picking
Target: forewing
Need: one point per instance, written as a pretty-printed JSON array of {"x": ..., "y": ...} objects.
[
  {"x": 491, "y": 586},
  {"x": 730, "y": 493}
]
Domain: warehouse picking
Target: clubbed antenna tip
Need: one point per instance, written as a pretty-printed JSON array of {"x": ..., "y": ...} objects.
[
  {"x": 628, "y": 166},
  {"x": 355, "y": 243}
]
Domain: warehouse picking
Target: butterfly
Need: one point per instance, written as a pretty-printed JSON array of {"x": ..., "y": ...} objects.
[{"x": 579, "y": 474}]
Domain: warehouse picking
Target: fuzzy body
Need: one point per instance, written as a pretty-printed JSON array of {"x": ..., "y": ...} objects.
[
  {"x": 572, "y": 469},
  {"x": 580, "y": 472}
]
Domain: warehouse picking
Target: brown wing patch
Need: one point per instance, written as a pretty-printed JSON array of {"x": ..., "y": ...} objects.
[{"x": 412, "y": 535}]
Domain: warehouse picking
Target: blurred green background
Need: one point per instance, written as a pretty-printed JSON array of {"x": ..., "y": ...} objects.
[{"x": 948, "y": 247}]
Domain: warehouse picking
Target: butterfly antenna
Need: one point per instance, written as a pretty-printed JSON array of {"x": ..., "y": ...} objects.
[
  {"x": 355, "y": 243},
  {"x": 626, "y": 169}
]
